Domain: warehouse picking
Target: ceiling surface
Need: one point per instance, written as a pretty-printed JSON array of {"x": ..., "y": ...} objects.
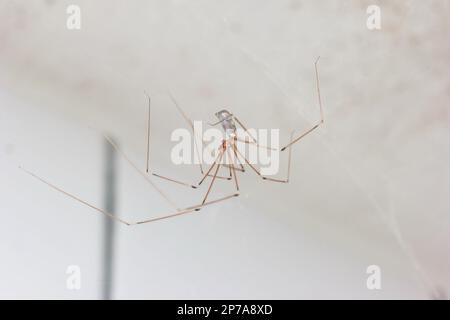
[{"x": 369, "y": 187}]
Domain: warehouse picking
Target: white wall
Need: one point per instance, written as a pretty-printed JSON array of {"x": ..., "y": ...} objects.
[{"x": 370, "y": 187}]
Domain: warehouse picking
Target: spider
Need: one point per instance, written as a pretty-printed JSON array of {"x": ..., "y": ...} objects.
[{"x": 228, "y": 147}]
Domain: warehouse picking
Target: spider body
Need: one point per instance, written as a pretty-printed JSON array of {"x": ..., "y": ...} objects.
[{"x": 226, "y": 119}]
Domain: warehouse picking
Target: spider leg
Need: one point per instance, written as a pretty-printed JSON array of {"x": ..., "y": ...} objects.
[
  {"x": 191, "y": 125},
  {"x": 321, "y": 121},
  {"x": 235, "y": 159},
  {"x": 236, "y": 151},
  {"x": 242, "y": 169},
  {"x": 117, "y": 219},
  {"x": 254, "y": 143},
  {"x": 148, "y": 133},
  {"x": 106, "y": 213},
  {"x": 233, "y": 172},
  {"x": 173, "y": 180},
  {"x": 245, "y": 129},
  {"x": 199, "y": 206},
  {"x": 189, "y": 209},
  {"x": 257, "y": 171},
  {"x": 207, "y": 174},
  {"x": 235, "y": 168},
  {"x": 143, "y": 174},
  {"x": 148, "y": 148},
  {"x": 217, "y": 164},
  {"x": 308, "y": 131},
  {"x": 288, "y": 168}
]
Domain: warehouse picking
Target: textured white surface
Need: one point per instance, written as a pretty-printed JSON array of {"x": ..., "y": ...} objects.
[{"x": 371, "y": 187}]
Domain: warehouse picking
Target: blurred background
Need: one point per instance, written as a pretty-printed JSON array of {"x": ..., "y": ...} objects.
[{"x": 370, "y": 187}]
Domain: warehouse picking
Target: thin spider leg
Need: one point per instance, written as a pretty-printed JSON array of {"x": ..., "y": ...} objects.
[
  {"x": 237, "y": 158},
  {"x": 148, "y": 169},
  {"x": 143, "y": 174},
  {"x": 148, "y": 134},
  {"x": 189, "y": 209},
  {"x": 229, "y": 166},
  {"x": 184, "y": 183},
  {"x": 191, "y": 125},
  {"x": 186, "y": 210},
  {"x": 259, "y": 173},
  {"x": 301, "y": 136},
  {"x": 236, "y": 155},
  {"x": 255, "y": 144},
  {"x": 179, "y": 213},
  {"x": 154, "y": 173},
  {"x": 207, "y": 173},
  {"x": 198, "y": 207},
  {"x": 320, "y": 108},
  {"x": 220, "y": 177},
  {"x": 233, "y": 171},
  {"x": 106, "y": 213},
  {"x": 247, "y": 162},
  {"x": 173, "y": 180},
  {"x": 215, "y": 174},
  {"x": 245, "y": 129},
  {"x": 235, "y": 168},
  {"x": 148, "y": 149},
  {"x": 117, "y": 219},
  {"x": 288, "y": 168},
  {"x": 212, "y": 166}
]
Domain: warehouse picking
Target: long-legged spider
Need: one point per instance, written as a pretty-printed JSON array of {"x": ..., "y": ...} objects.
[{"x": 228, "y": 148}]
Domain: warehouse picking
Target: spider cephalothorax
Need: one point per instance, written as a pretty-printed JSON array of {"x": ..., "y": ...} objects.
[{"x": 226, "y": 119}]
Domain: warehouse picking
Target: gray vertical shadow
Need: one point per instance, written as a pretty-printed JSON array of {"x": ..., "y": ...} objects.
[{"x": 109, "y": 199}]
